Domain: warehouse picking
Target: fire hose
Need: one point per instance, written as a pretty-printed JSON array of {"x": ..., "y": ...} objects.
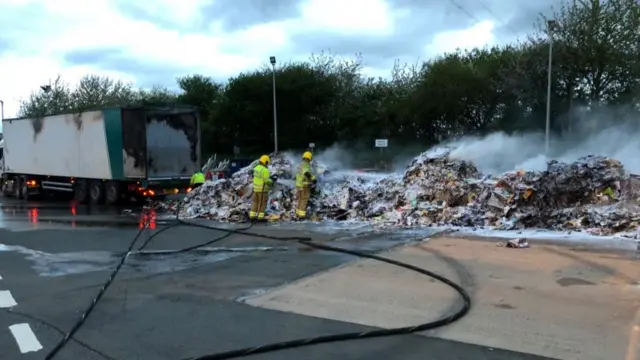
[{"x": 303, "y": 240}]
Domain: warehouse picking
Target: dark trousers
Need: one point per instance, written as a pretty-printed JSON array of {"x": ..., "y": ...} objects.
[
  {"x": 258, "y": 204},
  {"x": 303, "y": 194}
]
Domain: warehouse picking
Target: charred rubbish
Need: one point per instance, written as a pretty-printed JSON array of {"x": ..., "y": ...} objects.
[{"x": 590, "y": 194}]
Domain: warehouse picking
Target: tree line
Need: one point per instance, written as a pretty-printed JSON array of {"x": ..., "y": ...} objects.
[{"x": 325, "y": 100}]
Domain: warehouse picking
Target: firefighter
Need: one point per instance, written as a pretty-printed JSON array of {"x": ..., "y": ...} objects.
[
  {"x": 304, "y": 181},
  {"x": 197, "y": 179},
  {"x": 262, "y": 181}
]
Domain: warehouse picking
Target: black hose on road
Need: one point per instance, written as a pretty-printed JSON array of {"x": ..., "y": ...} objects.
[
  {"x": 303, "y": 240},
  {"x": 464, "y": 309},
  {"x": 115, "y": 272},
  {"x": 93, "y": 304}
]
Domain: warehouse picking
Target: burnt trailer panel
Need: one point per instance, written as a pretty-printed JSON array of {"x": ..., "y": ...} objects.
[{"x": 160, "y": 142}]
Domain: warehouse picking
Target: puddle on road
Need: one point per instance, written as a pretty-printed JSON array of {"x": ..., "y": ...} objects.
[
  {"x": 570, "y": 281},
  {"x": 376, "y": 241},
  {"x": 325, "y": 226},
  {"x": 364, "y": 238},
  {"x": 164, "y": 261},
  {"x": 23, "y": 216},
  {"x": 60, "y": 264},
  {"x": 21, "y": 209},
  {"x": 249, "y": 294}
]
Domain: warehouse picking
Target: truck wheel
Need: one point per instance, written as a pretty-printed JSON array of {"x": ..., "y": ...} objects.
[
  {"x": 96, "y": 192},
  {"x": 112, "y": 190},
  {"x": 16, "y": 188},
  {"x": 5, "y": 189},
  {"x": 24, "y": 189},
  {"x": 81, "y": 192}
]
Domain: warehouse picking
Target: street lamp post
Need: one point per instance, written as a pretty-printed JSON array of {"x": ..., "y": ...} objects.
[
  {"x": 2, "y": 109},
  {"x": 272, "y": 60},
  {"x": 551, "y": 25}
]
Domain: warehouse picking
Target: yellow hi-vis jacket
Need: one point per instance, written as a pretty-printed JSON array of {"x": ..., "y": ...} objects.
[
  {"x": 304, "y": 177},
  {"x": 197, "y": 178},
  {"x": 261, "y": 179}
]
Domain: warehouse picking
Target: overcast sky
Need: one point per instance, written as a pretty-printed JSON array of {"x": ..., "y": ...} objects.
[{"x": 154, "y": 41}]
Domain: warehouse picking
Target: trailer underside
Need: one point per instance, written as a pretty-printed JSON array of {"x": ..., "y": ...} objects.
[{"x": 89, "y": 191}]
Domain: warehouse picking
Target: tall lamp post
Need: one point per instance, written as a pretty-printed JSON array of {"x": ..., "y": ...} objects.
[
  {"x": 2, "y": 109},
  {"x": 272, "y": 60},
  {"x": 551, "y": 26}
]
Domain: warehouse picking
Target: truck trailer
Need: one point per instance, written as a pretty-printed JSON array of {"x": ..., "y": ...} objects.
[{"x": 102, "y": 156}]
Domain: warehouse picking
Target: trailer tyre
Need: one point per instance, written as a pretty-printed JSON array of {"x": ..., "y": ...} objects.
[
  {"x": 16, "y": 188},
  {"x": 112, "y": 190},
  {"x": 5, "y": 189},
  {"x": 96, "y": 192},
  {"x": 24, "y": 189},
  {"x": 81, "y": 192}
]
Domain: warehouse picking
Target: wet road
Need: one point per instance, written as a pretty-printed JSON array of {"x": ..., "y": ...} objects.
[
  {"x": 54, "y": 258},
  {"x": 21, "y": 216}
]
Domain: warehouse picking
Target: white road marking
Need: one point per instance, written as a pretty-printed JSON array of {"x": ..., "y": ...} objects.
[
  {"x": 0, "y": 277},
  {"x": 26, "y": 339},
  {"x": 6, "y": 299}
]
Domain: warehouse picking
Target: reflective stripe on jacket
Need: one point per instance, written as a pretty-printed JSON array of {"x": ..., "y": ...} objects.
[
  {"x": 197, "y": 178},
  {"x": 304, "y": 177},
  {"x": 261, "y": 178}
]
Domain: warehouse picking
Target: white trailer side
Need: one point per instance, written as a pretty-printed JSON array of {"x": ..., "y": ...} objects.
[{"x": 70, "y": 145}]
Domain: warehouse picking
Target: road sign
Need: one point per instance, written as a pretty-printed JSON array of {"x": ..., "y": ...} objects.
[
  {"x": 382, "y": 143},
  {"x": 312, "y": 145}
]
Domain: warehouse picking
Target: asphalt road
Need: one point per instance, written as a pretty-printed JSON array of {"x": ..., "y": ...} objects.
[{"x": 54, "y": 258}]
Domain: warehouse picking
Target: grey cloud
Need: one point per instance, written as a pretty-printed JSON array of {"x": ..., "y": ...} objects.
[
  {"x": 20, "y": 23},
  {"x": 138, "y": 12},
  {"x": 147, "y": 73},
  {"x": 426, "y": 18},
  {"x": 376, "y": 51},
  {"x": 90, "y": 56},
  {"x": 234, "y": 14},
  {"x": 525, "y": 21},
  {"x": 241, "y": 14},
  {"x": 5, "y": 45},
  {"x": 513, "y": 18},
  {"x": 517, "y": 18}
]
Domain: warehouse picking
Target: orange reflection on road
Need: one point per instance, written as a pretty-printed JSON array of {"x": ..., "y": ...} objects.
[
  {"x": 33, "y": 215},
  {"x": 148, "y": 217}
]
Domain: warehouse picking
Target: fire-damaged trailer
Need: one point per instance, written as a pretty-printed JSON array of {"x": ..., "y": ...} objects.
[{"x": 102, "y": 156}]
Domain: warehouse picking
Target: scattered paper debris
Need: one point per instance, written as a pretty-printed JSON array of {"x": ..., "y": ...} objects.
[
  {"x": 520, "y": 243},
  {"x": 592, "y": 194}
]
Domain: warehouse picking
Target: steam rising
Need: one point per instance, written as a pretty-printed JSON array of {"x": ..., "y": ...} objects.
[
  {"x": 499, "y": 152},
  {"x": 336, "y": 158},
  {"x": 496, "y": 153}
]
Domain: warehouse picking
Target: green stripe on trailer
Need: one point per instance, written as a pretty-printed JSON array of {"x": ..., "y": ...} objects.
[{"x": 113, "y": 132}]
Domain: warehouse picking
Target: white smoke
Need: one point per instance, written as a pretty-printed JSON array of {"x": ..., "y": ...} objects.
[
  {"x": 334, "y": 157},
  {"x": 499, "y": 152},
  {"x": 604, "y": 132}
]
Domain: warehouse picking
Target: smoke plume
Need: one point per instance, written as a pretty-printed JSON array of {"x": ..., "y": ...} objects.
[{"x": 603, "y": 132}]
